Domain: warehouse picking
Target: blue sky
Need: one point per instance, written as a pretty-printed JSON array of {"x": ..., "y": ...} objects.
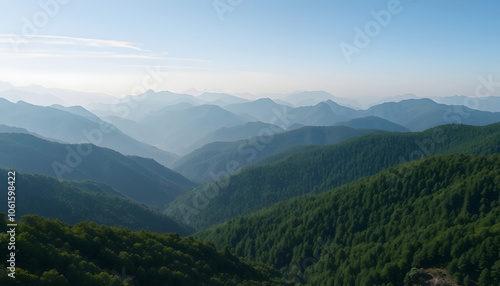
[{"x": 428, "y": 48}]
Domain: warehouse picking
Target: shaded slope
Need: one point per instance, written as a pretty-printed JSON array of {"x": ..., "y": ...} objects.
[
  {"x": 139, "y": 179},
  {"x": 75, "y": 201}
]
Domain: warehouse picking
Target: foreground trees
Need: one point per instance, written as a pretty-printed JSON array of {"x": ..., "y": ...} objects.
[
  {"x": 440, "y": 212},
  {"x": 52, "y": 253}
]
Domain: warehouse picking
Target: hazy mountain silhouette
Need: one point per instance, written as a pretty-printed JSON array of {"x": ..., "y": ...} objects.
[
  {"x": 373, "y": 122},
  {"x": 137, "y": 107},
  {"x": 68, "y": 127},
  {"x": 319, "y": 115},
  {"x": 310, "y": 98},
  {"x": 421, "y": 114},
  {"x": 263, "y": 109},
  {"x": 489, "y": 103},
  {"x": 44, "y": 99},
  {"x": 78, "y": 110},
  {"x": 175, "y": 129},
  {"x": 236, "y": 133},
  {"x": 139, "y": 179},
  {"x": 221, "y": 99},
  {"x": 40, "y": 95}
]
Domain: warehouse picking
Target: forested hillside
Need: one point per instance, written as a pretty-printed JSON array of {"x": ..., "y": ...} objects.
[
  {"x": 382, "y": 230},
  {"x": 76, "y": 201},
  {"x": 52, "y": 253},
  {"x": 209, "y": 162},
  {"x": 252, "y": 143},
  {"x": 324, "y": 168}
]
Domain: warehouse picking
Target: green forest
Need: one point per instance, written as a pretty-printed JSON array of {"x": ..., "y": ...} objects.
[
  {"x": 323, "y": 168},
  {"x": 381, "y": 230},
  {"x": 54, "y": 254}
]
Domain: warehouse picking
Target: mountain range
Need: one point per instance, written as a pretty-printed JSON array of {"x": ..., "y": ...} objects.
[
  {"x": 303, "y": 188},
  {"x": 163, "y": 129},
  {"x": 165, "y": 125},
  {"x": 322, "y": 168},
  {"x": 143, "y": 180},
  {"x": 39, "y": 95},
  {"x": 67, "y": 124}
]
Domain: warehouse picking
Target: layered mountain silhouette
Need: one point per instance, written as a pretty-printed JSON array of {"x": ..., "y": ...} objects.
[
  {"x": 69, "y": 127},
  {"x": 143, "y": 180},
  {"x": 154, "y": 117}
]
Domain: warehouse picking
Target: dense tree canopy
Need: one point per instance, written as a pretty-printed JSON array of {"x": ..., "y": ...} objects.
[
  {"x": 324, "y": 168},
  {"x": 52, "y": 253},
  {"x": 442, "y": 212}
]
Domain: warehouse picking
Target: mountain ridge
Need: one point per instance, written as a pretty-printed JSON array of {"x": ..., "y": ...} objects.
[
  {"x": 323, "y": 168},
  {"x": 139, "y": 179}
]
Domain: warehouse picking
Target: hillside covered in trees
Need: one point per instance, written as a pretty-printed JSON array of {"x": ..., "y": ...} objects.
[
  {"x": 214, "y": 158},
  {"x": 443, "y": 212},
  {"x": 52, "y": 253},
  {"x": 322, "y": 168}
]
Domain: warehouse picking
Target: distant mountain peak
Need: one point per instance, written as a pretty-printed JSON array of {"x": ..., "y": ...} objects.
[
  {"x": 421, "y": 100},
  {"x": 265, "y": 99}
]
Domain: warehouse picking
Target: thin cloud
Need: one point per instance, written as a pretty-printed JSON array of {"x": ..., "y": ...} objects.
[
  {"x": 56, "y": 49},
  {"x": 56, "y": 54},
  {"x": 167, "y": 67},
  {"x": 70, "y": 41}
]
